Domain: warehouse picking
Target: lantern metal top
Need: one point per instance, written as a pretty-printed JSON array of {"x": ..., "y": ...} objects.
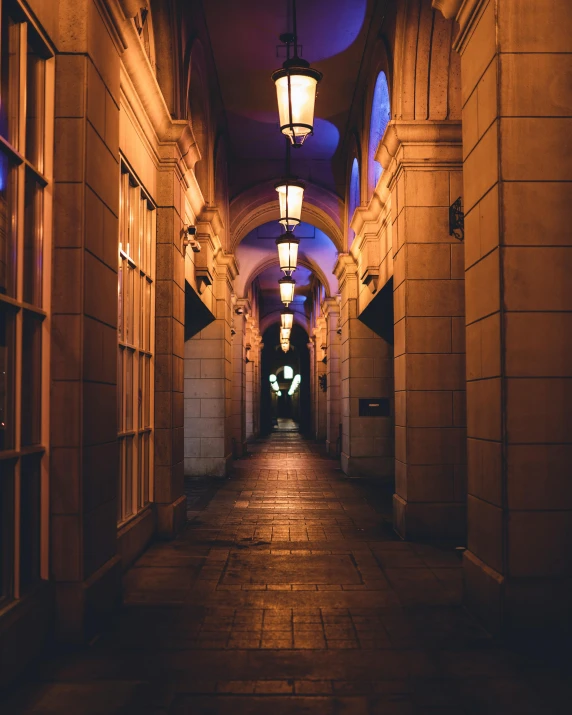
[{"x": 287, "y": 237}]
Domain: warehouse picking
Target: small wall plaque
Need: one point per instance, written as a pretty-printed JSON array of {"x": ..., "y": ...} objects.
[{"x": 374, "y": 407}]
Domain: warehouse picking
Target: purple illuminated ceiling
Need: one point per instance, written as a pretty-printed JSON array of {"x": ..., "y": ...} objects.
[{"x": 245, "y": 38}]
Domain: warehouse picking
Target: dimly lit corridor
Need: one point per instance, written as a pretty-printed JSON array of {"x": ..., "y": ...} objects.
[{"x": 288, "y": 593}]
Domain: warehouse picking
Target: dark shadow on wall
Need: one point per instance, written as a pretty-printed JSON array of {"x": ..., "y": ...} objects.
[{"x": 197, "y": 315}]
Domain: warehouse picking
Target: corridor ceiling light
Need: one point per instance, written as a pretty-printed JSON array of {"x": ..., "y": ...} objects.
[
  {"x": 286, "y": 286},
  {"x": 272, "y": 378},
  {"x": 296, "y": 85},
  {"x": 275, "y": 387},
  {"x": 288, "y": 372},
  {"x": 287, "y": 246},
  {"x": 279, "y": 393},
  {"x": 287, "y": 318},
  {"x": 284, "y": 334},
  {"x": 285, "y": 345},
  {"x": 290, "y": 196}
]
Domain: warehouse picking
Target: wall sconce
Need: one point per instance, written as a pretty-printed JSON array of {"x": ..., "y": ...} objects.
[
  {"x": 457, "y": 220},
  {"x": 189, "y": 240},
  {"x": 323, "y": 380}
]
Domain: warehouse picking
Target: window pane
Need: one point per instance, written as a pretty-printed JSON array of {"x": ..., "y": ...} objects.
[
  {"x": 120, "y": 301},
  {"x": 7, "y": 340},
  {"x": 141, "y": 470},
  {"x": 128, "y": 476},
  {"x": 129, "y": 390},
  {"x": 9, "y": 90},
  {"x": 129, "y": 304},
  {"x": 148, "y": 316},
  {"x": 147, "y": 470},
  {"x": 120, "y": 393},
  {"x": 7, "y": 232},
  {"x": 147, "y": 389},
  {"x": 30, "y": 520},
  {"x": 6, "y": 530},
  {"x": 33, "y": 241},
  {"x": 140, "y": 392},
  {"x": 35, "y": 88},
  {"x": 120, "y": 473},
  {"x": 31, "y": 379}
]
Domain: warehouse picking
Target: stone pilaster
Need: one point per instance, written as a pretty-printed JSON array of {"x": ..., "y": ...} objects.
[
  {"x": 365, "y": 374},
  {"x": 84, "y": 563},
  {"x": 331, "y": 311},
  {"x": 517, "y": 197},
  {"x": 428, "y": 282},
  {"x": 241, "y": 309}
]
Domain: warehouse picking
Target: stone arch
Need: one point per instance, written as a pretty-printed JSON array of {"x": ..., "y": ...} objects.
[
  {"x": 274, "y": 317},
  {"x": 427, "y": 78},
  {"x": 221, "y": 185},
  {"x": 353, "y": 187},
  {"x": 303, "y": 260},
  {"x": 198, "y": 114},
  {"x": 259, "y": 204}
]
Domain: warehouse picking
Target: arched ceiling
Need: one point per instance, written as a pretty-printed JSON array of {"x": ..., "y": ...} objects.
[
  {"x": 244, "y": 35},
  {"x": 257, "y": 257}
]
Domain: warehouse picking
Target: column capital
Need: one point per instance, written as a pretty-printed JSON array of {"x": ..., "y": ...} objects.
[
  {"x": 330, "y": 306},
  {"x": 414, "y": 142},
  {"x": 345, "y": 266}
]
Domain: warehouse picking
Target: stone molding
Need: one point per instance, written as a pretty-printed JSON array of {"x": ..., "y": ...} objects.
[
  {"x": 467, "y": 17},
  {"x": 330, "y": 306},
  {"x": 448, "y": 8}
]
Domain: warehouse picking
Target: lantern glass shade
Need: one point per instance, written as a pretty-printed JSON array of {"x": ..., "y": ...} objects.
[
  {"x": 287, "y": 290},
  {"x": 272, "y": 378},
  {"x": 290, "y": 195},
  {"x": 287, "y": 319},
  {"x": 296, "y": 85},
  {"x": 287, "y": 246},
  {"x": 285, "y": 345},
  {"x": 284, "y": 334}
]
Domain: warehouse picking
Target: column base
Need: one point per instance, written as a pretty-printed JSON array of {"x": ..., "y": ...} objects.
[
  {"x": 331, "y": 448},
  {"x": 134, "y": 537},
  {"x": 429, "y": 520},
  {"x": 378, "y": 468},
  {"x": 83, "y": 608},
  {"x": 528, "y": 607},
  {"x": 207, "y": 466},
  {"x": 171, "y": 518}
]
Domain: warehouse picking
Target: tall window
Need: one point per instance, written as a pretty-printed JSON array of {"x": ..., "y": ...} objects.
[
  {"x": 26, "y": 69},
  {"x": 136, "y": 334},
  {"x": 380, "y": 116},
  {"x": 353, "y": 197}
]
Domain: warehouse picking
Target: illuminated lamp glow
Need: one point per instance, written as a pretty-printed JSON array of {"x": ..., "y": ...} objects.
[
  {"x": 284, "y": 334},
  {"x": 288, "y": 372},
  {"x": 296, "y": 85},
  {"x": 272, "y": 378},
  {"x": 287, "y": 318},
  {"x": 287, "y": 246},
  {"x": 290, "y": 195},
  {"x": 286, "y": 286}
]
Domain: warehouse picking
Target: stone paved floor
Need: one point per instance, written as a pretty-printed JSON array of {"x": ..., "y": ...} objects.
[{"x": 289, "y": 594}]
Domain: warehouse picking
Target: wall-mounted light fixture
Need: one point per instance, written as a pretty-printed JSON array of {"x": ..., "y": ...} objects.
[{"x": 457, "y": 220}]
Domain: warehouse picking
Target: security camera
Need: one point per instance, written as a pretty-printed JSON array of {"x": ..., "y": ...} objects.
[{"x": 190, "y": 232}]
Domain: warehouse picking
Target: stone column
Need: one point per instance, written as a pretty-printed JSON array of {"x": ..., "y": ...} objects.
[
  {"x": 321, "y": 358},
  {"x": 429, "y": 346},
  {"x": 239, "y": 368},
  {"x": 249, "y": 380},
  {"x": 366, "y": 373},
  {"x": 208, "y": 365},
  {"x": 517, "y": 100},
  {"x": 311, "y": 345},
  {"x": 331, "y": 310},
  {"x": 84, "y": 564}
]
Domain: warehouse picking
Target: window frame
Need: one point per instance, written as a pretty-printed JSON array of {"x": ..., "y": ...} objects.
[
  {"x": 11, "y": 459},
  {"x": 137, "y": 262}
]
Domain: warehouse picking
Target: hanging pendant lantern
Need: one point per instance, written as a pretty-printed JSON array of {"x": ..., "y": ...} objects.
[
  {"x": 290, "y": 195},
  {"x": 287, "y": 246},
  {"x": 287, "y": 318},
  {"x": 284, "y": 334},
  {"x": 285, "y": 345},
  {"x": 286, "y": 286},
  {"x": 296, "y": 84}
]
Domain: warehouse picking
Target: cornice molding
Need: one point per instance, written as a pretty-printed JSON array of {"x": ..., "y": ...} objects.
[
  {"x": 345, "y": 266},
  {"x": 468, "y": 15},
  {"x": 330, "y": 306}
]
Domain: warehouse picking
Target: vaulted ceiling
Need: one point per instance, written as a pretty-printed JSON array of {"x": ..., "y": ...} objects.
[{"x": 245, "y": 41}]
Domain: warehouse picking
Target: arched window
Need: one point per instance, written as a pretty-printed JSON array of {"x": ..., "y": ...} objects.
[
  {"x": 380, "y": 116},
  {"x": 354, "y": 198}
]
